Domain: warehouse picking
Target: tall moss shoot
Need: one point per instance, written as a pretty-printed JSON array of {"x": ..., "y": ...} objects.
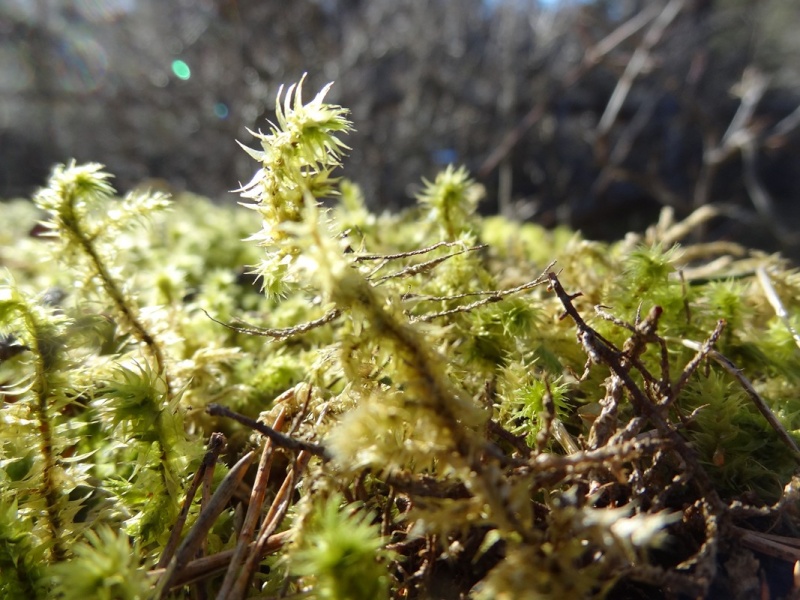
[{"x": 297, "y": 159}]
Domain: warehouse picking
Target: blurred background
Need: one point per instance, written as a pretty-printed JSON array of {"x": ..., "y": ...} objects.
[{"x": 592, "y": 114}]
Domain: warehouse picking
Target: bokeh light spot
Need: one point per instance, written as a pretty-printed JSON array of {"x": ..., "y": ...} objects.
[
  {"x": 221, "y": 110},
  {"x": 181, "y": 70}
]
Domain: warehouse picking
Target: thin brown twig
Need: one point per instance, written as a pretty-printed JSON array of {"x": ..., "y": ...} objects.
[
  {"x": 386, "y": 517},
  {"x": 515, "y": 441},
  {"x": 786, "y": 540},
  {"x": 205, "y": 521},
  {"x": 789, "y": 499},
  {"x": 643, "y": 334},
  {"x": 279, "y": 334},
  {"x": 416, "y": 252},
  {"x": 278, "y": 438},
  {"x": 272, "y": 520},
  {"x": 622, "y": 451},
  {"x": 424, "y": 298},
  {"x": 426, "y": 486},
  {"x": 253, "y": 510},
  {"x": 275, "y": 514},
  {"x": 385, "y": 258},
  {"x": 602, "y": 352},
  {"x": 704, "y": 562},
  {"x": 216, "y": 444},
  {"x": 495, "y": 296},
  {"x": 207, "y": 566},
  {"x": 702, "y": 351},
  {"x": 547, "y": 418},
  {"x": 776, "y": 546},
  {"x": 303, "y": 409},
  {"x": 205, "y": 498},
  {"x": 427, "y": 265}
]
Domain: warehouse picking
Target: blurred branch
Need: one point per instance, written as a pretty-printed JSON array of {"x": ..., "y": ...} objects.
[
  {"x": 760, "y": 197},
  {"x": 636, "y": 64},
  {"x": 751, "y": 89},
  {"x": 742, "y": 136},
  {"x": 784, "y": 127},
  {"x": 591, "y": 58}
]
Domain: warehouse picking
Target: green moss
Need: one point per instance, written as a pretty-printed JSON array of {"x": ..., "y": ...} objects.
[
  {"x": 459, "y": 421},
  {"x": 343, "y": 553}
]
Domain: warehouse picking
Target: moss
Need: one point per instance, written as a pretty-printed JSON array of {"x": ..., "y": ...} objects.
[{"x": 450, "y": 411}]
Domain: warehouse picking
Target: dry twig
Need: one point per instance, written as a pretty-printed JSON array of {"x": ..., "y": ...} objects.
[
  {"x": 206, "y": 519},
  {"x": 216, "y": 445},
  {"x": 280, "y": 334},
  {"x": 253, "y": 512},
  {"x": 278, "y": 438}
]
